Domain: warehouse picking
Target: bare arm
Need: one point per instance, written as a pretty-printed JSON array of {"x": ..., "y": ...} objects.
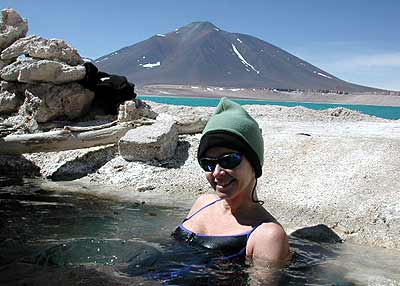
[
  {"x": 269, "y": 245},
  {"x": 268, "y": 251}
]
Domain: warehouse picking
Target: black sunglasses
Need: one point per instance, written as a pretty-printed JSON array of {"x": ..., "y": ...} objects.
[{"x": 227, "y": 161}]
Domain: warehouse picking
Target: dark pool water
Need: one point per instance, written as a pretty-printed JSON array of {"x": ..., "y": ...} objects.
[{"x": 59, "y": 238}]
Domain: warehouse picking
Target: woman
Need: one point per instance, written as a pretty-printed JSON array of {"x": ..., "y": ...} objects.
[{"x": 232, "y": 219}]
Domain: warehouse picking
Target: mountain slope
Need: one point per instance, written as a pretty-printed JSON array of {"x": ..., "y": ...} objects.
[{"x": 202, "y": 54}]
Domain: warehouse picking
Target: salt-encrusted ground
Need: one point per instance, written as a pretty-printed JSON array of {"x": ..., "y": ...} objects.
[{"x": 336, "y": 167}]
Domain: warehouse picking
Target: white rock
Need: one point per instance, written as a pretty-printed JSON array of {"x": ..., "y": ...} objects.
[
  {"x": 157, "y": 141},
  {"x": 51, "y": 71},
  {"x": 72, "y": 164},
  {"x": 186, "y": 123},
  {"x": 40, "y": 48},
  {"x": 35, "y": 71},
  {"x": 189, "y": 120},
  {"x": 134, "y": 109},
  {"x": 191, "y": 124},
  {"x": 11, "y": 72},
  {"x": 45, "y": 102},
  {"x": 12, "y": 27}
]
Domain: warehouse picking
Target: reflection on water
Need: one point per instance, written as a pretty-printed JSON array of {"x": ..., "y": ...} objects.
[{"x": 54, "y": 238}]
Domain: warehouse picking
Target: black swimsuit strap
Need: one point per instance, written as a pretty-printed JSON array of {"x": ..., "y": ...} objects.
[{"x": 202, "y": 208}]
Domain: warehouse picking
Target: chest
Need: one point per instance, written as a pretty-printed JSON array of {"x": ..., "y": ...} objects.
[{"x": 216, "y": 224}]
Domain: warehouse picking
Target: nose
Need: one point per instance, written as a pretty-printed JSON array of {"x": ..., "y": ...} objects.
[{"x": 218, "y": 171}]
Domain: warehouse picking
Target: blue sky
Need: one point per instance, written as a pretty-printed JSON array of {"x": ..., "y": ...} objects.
[{"x": 355, "y": 40}]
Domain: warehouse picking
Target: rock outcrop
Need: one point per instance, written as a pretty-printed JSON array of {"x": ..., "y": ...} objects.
[
  {"x": 145, "y": 143},
  {"x": 30, "y": 70},
  {"x": 189, "y": 120},
  {"x": 17, "y": 165},
  {"x": 39, "y": 77},
  {"x": 73, "y": 164},
  {"x": 45, "y": 102},
  {"x": 317, "y": 233},
  {"x": 12, "y": 27},
  {"x": 40, "y": 48},
  {"x": 133, "y": 110}
]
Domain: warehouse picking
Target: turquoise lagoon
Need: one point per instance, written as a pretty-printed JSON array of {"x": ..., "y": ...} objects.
[{"x": 387, "y": 112}]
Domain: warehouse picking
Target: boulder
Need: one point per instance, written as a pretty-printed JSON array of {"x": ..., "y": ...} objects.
[
  {"x": 135, "y": 109},
  {"x": 40, "y": 48},
  {"x": 72, "y": 164},
  {"x": 10, "y": 72},
  {"x": 187, "y": 124},
  {"x": 11, "y": 165},
  {"x": 191, "y": 123},
  {"x": 12, "y": 96},
  {"x": 9, "y": 102},
  {"x": 145, "y": 143},
  {"x": 19, "y": 125},
  {"x": 29, "y": 70},
  {"x": 317, "y": 233},
  {"x": 45, "y": 102},
  {"x": 12, "y": 27},
  {"x": 189, "y": 119}
]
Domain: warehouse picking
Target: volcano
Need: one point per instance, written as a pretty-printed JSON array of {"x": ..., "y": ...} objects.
[{"x": 202, "y": 54}]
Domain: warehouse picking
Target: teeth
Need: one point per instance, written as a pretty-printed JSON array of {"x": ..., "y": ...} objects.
[{"x": 221, "y": 184}]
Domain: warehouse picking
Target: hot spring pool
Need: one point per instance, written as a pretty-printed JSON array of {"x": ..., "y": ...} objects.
[{"x": 59, "y": 238}]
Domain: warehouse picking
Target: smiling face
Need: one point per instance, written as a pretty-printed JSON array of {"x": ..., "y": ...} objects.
[{"x": 236, "y": 183}]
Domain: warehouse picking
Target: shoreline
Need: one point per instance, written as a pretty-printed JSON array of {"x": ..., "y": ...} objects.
[
  {"x": 261, "y": 100},
  {"x": 391, "y": 99}
]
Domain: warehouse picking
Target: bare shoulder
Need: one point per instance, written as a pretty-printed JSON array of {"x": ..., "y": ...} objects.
[
  {"x": 269, "y": 242},
  {"x": 201, "y": 201},
  {"x": 269, "y": 231}
]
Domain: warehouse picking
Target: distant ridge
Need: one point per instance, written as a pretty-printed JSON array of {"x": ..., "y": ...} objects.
[{"x": 202, "y": 54}]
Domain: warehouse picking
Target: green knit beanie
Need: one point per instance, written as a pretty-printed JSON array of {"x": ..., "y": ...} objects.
[{"x": 232, "y": 127}]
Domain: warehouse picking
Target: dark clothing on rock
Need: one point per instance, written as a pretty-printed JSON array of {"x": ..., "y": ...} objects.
[{"x": 110, "y": 90}]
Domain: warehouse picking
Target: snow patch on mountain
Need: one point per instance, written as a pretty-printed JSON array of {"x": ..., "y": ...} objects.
[
  {"x": 149, "y": 65},
  {"x": 324, "y": 75},
  {"x": 246, "y": 64}
]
